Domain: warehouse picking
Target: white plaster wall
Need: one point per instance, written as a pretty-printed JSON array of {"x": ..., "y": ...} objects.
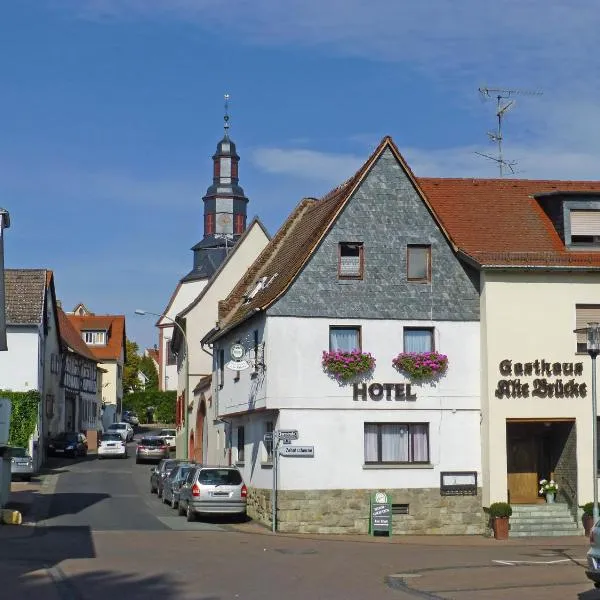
[
  {"x": 20, "y": 365},
  {"x": 527, "y": 317}
]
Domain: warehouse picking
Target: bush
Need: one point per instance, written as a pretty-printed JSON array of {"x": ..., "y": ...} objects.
[
  {"x": 588, "y": 508},
  {"x": 24, "y": 416},
  {"x": 500, "y": 509},
  {"x": 164, "y": 404}
]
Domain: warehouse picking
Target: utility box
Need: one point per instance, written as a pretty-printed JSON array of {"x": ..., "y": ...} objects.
[{"x": 5, "y": 474}]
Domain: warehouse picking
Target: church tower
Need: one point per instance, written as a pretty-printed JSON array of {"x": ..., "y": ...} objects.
[{"x": 224, "y": 209}]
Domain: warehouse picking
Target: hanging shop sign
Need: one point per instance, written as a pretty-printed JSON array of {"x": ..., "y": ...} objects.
[
  {"x": 552, "y": 380},
  {"x": 384, "y": 391}
]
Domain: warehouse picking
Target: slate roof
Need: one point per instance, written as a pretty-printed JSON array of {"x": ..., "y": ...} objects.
[
  {"x": 72, "y": 338},
  {"x": 490, "y": 222},
  {"x": 113, "y": 324},
  {"x": 25, "y": 291}
]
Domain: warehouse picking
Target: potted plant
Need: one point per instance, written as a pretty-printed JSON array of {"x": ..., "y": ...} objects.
[
  {"x": 421, "y": 366},
  {"x": 588, "y": 517},
  {"x": 549, "y": 489},
  {"x": 347, "y": 366},
  {"x": 499, "y": 515}
]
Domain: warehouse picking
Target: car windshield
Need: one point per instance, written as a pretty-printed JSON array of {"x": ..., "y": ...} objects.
[
  {"x": 111, "y": 437},
  {"x": 66, "y": 437},
  {"x": 168, "y": 465},
  {"x": 152, "y": 442},
  {"x": 19, "y": 452},
  {"x": 117, "y": 426},
  {"x": 220, "y": 477}
]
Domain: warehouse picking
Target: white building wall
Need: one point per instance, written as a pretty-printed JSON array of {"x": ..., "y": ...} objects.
[{"x": 20, "y": 365}]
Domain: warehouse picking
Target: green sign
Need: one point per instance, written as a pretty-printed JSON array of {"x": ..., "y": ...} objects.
[{"x": 380, "y": 514}]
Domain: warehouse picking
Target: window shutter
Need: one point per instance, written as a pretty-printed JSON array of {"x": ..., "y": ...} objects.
[
  {"x": 585, "y": 222},
  {"x": 584, "y": 314}
]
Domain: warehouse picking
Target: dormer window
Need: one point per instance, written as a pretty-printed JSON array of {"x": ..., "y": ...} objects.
[
  {"x": 94, "y": 338},
  {"x": 585, "y": 227}
]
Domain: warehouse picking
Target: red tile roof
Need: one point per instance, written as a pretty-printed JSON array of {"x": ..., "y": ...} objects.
[
  {"x": 72, "y": 338},
  {"x": 113, "y": 324},
  {"x": 153, "y": 354}
]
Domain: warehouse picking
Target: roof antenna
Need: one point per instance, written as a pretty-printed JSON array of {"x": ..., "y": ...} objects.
[
  {"x": 226, "y": 117},
  {"x": 503, "y": 105}
]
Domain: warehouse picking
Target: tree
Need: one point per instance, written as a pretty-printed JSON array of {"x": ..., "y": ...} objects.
[
  {"x": 131, "y": 381},
  {"x": 148, "y": 368}
]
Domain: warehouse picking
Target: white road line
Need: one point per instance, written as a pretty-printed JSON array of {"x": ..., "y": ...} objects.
[{"x": 532, "y": 562}]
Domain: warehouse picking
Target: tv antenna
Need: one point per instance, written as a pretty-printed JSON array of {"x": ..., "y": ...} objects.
[{"x": 504, "y": 103}]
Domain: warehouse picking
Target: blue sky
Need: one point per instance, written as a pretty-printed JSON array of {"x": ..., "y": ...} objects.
[{"x": 111, "y": 109}]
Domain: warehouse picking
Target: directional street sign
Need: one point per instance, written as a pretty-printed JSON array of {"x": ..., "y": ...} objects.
[
  {"x": 286, "y": 434},
  {"x": 305, "y": 451},
  {"x": 268, "y": 437}
]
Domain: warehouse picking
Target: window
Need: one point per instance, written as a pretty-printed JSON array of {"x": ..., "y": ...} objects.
[
  {"x": 344, "y": 339},
  {"x": 54, "y": 363},
  {"x": 418, "y": 263},
  {"x": 239, "y": 224},
  {"x": 350, "y": 260},
  {"x": 217, "y": 169},
  {"x": 269, "y": 443},
  {"x": 396, "y": 443},
  {"x": 584, "y": 314},
  {"x": 585, "y": 227},
  {"x": 221, "y": 367},
  {"x": 171, "y": 356},
  {"x": 94, "y": 337},
  {"x": 209, "y": 224},
  {"x": 417, "y": 339},
  {"x": 234, "y": 168},
  {"x": 241, "y": 443}
]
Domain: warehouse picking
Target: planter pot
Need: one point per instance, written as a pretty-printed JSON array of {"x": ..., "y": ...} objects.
[
  {"x": 500, "y": 526},
  {"x": 588, "y": 523},
  {"x": 550, "y": 497}
]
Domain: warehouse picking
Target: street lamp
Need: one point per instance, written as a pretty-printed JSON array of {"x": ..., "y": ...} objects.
[
  {"x": 592, "y": 332},
  {"x": 187, "y": 375}
]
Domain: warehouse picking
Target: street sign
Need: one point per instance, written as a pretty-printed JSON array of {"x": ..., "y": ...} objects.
[
  {"x": 286, "y": 434},
  {"x": 268, "y": 437},
  {"x": 305, "y": 451}
]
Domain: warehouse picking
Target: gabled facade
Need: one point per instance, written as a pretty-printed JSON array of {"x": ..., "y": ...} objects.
[
  {"x": 197, "y": 319},
  {"x": 105, "y": 338},
  {"x": 33, "y": 359},
  {"x": 368, "y": 267}
]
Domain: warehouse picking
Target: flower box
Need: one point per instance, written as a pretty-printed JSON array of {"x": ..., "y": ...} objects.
[
  {"x": 421, "y": 366},
  {"x": 345, "y": 367}
]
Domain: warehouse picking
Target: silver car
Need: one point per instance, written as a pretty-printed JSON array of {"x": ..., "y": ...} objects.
[
  {"x": 151, "y": 448},
  {"x": 593, "y": 556},
  {"x": 214, "y": 491},
  {"x": 173, "y": 482},
  {"x": 21, "y": 464}
]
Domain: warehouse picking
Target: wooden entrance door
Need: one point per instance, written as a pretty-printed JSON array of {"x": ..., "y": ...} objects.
[{"x": 522, "y": 455}]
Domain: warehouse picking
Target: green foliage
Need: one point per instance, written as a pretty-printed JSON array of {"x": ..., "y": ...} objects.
[
  {"x": 164, "y": 404},
  {"x": 500, "y": 509},
  {"x": 131, "y": 383},
  {"x": 148, "y": 368},
  {"x": 588, "y": 509},
  {"x": 24, "y": 416}
]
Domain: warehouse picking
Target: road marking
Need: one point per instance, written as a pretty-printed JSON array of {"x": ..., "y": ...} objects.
[{"x": 513, "y": 563}]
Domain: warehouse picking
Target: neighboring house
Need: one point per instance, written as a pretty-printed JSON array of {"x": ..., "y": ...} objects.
[
  {"x": 33, "y": 359},
  {"x": 197, "y": 320},
  {"x": 80, "y": 381},
  {"x": 105, "y": 337},
  {"x": 368, "y": 267},
  {"x": 225, "y": 215}
]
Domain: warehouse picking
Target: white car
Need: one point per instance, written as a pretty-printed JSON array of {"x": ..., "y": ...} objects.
[
  {"x": 112, "y": 444},
  {"x": 168, "y": 435},
  {"x": 124, "y": 429}
]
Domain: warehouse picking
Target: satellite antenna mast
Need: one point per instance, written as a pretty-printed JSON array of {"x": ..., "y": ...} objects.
[{"x": 504, "y": 103}]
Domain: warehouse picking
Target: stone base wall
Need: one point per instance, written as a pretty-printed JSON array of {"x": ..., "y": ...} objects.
[{"x": 347, "y": 511}]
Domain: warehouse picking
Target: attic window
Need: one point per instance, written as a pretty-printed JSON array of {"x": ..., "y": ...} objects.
[
  {"x": 585, "y": 227},
  {"x": 94, "y": 338},
  {"x": 350, "y": 260}
]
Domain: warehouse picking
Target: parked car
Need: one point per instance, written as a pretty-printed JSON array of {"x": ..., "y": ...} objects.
[
  {"x": 173, "y": 482},
  {"x": 124, "y": 429},
  {"x": 112, "y": 444},
  {"x": 168, "y": 435},
  {"x": 159, "y": 473},
  {"x": 68, "y": 443},
  {"x": 212, "y": 490},
  {"x": 21, "y": 464},
  {"x": 131, "y": 418},
  {"x": 151, "y": 448},
  {"x": 593, "y": 556}
]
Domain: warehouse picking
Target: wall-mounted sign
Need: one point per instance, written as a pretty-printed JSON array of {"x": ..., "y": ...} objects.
[
  {"x": 305, "y": 451},
  {"x": 383, "y": 391},
  {"x": 544, "y": 385},
  {"x": 286, "y": 434},
  {"x": 458, "y": 483},
  {"x": 237, "y": 352},
  {"x": 238, "y": 360}
]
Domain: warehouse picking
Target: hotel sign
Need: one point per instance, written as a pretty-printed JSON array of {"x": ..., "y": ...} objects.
[
  {"x": 552, "y": 380},
  {"x": 384, "y": 391}
]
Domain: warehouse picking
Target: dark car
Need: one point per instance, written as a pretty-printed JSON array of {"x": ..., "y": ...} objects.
[
  {"x": 69, "y": 443},
  {"x": 172, "y": 484},
  {"x": 151, "y": 448},
  {"x": 159, "y": 473}
]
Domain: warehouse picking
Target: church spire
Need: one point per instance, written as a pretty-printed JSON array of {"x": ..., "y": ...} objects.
[{"x": 226, "y": 117}]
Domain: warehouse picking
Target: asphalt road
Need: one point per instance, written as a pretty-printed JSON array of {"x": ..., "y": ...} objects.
[{"x": 106, "y": 536}]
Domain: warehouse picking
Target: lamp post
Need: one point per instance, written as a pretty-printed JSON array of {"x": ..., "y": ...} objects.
[
  {"x": 187, "y": 375},
  {"x": 592, "y": 332}
]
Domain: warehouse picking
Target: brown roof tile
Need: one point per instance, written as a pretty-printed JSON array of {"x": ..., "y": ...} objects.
[
  {"x": 24, "y": 295},
  {"x": 72, "y": 338},
  {"x": 113, "y": 324}
]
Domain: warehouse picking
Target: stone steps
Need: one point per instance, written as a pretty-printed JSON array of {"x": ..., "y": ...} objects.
[{"x": 544, "y": 520}]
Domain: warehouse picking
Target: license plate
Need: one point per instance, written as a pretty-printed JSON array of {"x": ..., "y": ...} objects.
[
  {"x": 57, "y": 450},
  {"x": 110, "y": 445},
  {"x": 22, "y": 463},
  {"x": 220, "y": 494}
]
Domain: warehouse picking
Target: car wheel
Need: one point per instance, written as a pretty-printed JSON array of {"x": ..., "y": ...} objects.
[
  {"x": 180, "y": 510},
  {"x": 597, "y": 585},
  {"x": 152, "y": 490},
  {"x": 190, "y": 515},
  {"x": 159, "y": 492},
  {"x": 26, "y": 477}
]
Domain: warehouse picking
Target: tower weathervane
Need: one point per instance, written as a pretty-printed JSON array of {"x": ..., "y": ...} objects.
[{"x": 226, "y": 117}]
